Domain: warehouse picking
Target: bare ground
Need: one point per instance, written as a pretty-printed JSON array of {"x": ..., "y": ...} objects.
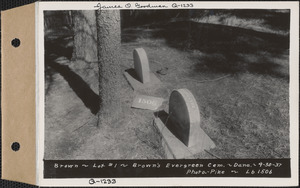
[{"x": 240, "y": 79}]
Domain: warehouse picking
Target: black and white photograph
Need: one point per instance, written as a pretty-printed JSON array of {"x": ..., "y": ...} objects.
[
  {"x": 150, "y": 94},
  {"x": 167, "y": 84},
  {"x": 233, "y": 64}
]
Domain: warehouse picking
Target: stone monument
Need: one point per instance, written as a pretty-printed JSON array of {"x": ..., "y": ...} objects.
[
  {"x": 141, "y": 76},
  {"x": 182, "y": 135},
  {"x": 141, "y": 65}
]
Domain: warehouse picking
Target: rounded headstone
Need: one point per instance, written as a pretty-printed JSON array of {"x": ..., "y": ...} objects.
[
  {"x": 141, "y": 65},
  {"x": 185, "y": 116}
]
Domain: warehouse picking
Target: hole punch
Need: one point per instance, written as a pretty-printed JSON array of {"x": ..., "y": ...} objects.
[
  {"x": 16, "y": 42},
  {"x": 15, "y": 146}
]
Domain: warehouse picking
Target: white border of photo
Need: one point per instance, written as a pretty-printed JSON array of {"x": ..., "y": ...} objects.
[{"x": 186, "y": 181}]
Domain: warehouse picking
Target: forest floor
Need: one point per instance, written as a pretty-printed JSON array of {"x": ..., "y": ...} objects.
[{"x": 239, "y": 77}]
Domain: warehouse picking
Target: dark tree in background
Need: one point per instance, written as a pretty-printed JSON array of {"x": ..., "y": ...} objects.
[
  {"x": 84, "y": 58},
  {"x": 109, "y": 43},
  {"x": 85, "y": 35}
]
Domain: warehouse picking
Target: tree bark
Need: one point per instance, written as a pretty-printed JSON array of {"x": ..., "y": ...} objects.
[{"x": 109, "y": 43}]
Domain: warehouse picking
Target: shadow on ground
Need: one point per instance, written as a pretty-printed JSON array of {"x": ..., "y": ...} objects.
[
  {"x": 56, "y": 49},
  {"x": 224, "y": 49}
]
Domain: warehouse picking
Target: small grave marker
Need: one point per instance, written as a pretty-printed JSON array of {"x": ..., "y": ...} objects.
[
  {"x": 141, "y": 77},
  {"x": 147, "y": 102},
  {"x": 141, "y": 65},
  {"x": 183, "y": 135}
]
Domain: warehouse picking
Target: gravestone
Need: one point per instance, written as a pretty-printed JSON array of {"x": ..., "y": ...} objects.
[
  {"x": 141, "y": 65},
  {"x": 185, "y": 116},
  {"x": 141, "y": 76},
  {"x": 181, "y": 131}
]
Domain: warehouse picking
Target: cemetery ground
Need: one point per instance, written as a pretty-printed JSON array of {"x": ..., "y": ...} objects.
[{"x": 239, "y": 77}]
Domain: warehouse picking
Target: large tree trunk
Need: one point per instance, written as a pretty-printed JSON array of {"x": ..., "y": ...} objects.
[{"x": 109, "y": 43}]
